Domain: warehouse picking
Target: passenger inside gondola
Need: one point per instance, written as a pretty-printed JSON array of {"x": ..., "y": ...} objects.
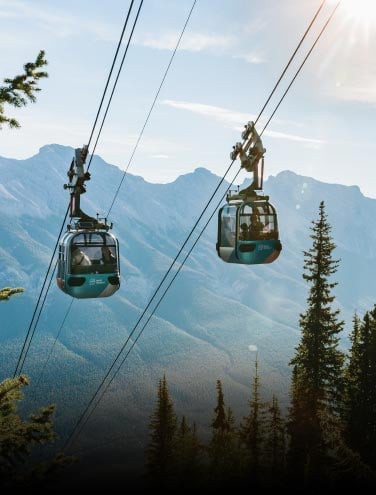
[
  {"x": 107, "y": 256},
  {"x": 244, "y": 235},
  {"x": 255, "y": 229},
  {"x": 79, "y": 259}
]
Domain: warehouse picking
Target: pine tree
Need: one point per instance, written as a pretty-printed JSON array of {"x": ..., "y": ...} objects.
[
  {"x": 7, "y": 292},
  {"x": 187, "y": 455},
  {"x": 19, "y": 439},
  {"x": 22, "y": 88},
  {"x": 275, "y": 443},
  {"x": 252, "y": 432},
  {"x": 354, "y": 391},
  {"x": 11, "y": 94},
  {"x": 223, "y": 449},
  {"x": 360, "y": 404},
  {"x": 317, "y": 383},
  {"x": 160, "y": 461}
]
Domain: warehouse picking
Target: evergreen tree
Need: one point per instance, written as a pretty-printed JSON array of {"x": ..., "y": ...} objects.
[
  {"x": 360, "y": 403},
  {"x": 22, "y": 88},
  {"x": 7, "y": 292},
  {"x": 317, "y": 383},
  {"x": 223, "y": 449},
  {"x": 160, "y": 462},
  {"x": 19, "y": 439},
  {"x": 252, "y": 432},
  {"x": 275, "y": 443},
  {"x": 11, "y": 94},
  {"x": 187, "y": 455},
  {"x": 354, "y": 392}
]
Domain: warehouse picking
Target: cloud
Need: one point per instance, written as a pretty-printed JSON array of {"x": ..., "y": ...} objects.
[
  {"x": 235, "y": 119},
  {"x": 160, "y": 156},
  {"x": 55, "y": 21},
  {"x": 213, "y": 112},
  {"x": 361, "y": 94},
  {"x": 294, "y": 137},
  {"x": 251, "y": 58},
  {"x": 193, "y": 42}
]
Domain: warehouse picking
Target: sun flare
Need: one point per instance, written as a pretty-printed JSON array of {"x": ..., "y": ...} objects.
[{"x": 363, "y": 11}]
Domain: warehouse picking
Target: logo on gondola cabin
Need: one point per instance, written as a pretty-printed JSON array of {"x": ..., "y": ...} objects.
[
  {"x": 264, "y": 247},
  {"x": 96, "y": 281}
]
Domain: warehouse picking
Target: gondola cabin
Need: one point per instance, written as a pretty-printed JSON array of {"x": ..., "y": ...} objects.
[
  {"x": 247, "y": 224},
  {"x": 88, "y": 264},
  {"x": 248, "y": 232}
]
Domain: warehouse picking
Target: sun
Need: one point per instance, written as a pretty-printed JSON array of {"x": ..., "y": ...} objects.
[{"x": 361, "y": 11}]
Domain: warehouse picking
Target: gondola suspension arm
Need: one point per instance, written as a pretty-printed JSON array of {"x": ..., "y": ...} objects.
[
  {"x": 77, "y": 177},
  {"x": 250, "y": 152}
]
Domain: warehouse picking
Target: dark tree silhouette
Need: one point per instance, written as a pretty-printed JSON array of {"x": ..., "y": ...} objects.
[
  {"x": 317, "y": 386},
  {"x": 19, "y": 438},
  {"x": 160, "y": 460}
]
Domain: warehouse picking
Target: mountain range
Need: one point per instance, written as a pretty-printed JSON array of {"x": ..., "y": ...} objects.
[{"x": 212, "y": 322}]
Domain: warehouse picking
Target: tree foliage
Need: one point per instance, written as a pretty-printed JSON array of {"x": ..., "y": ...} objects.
[
  {"x": 7, "y": 292},
  {"x": 252, "y": 429},
  {"x": 223, "y": 448},
  {"x": 19, "y": 439},
  {"x": 317, "y": 384},
  {"x": 163, "y": 428},
  {"x": 360, "y": 397},
  {"x": 21, "y": 89}
]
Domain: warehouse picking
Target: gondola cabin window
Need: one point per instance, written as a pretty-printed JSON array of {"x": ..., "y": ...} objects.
[{"x": 228, "y": 226}]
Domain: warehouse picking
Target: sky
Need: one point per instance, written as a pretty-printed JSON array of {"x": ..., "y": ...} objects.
[{"x": 172, "y": 113}]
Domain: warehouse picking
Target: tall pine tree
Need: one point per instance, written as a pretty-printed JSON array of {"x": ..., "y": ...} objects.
[
  {"x": 360, "y": 404},
  {"x": 188, "y": 455},
  {"x": 252, "y": 432},
  {"x": 317, "y": 383},
  {"x": 223, "y": 449},
  {"x": 275, "y": 444},
  {"x": 160, "y": 461}
]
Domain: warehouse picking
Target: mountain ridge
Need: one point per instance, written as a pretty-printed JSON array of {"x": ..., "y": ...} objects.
[{"x": 212, "y": 313}]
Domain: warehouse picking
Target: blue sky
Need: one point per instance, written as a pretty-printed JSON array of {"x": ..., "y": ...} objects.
[{"x": 229, "y": 59}]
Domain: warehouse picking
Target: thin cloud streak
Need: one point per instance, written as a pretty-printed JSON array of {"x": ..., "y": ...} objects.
[
  {"x": 234, "y": 118},
  {"x": 55, "y": 21},
  {"x": 193, "y": 42}
]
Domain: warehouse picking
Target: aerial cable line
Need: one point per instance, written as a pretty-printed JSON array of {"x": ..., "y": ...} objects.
[
  {"x": 110, "y": 73},
  {"x": 101, "y": 127},
  {"x": 81, "y": 420},
  {"x": 153, "y": 104},
  {"x": 115, "y": 83},
  {"x": 119, "y": 44},
  {"x": 22, "y": 362},
  {"x": 129, "y": 162},
  {"x": 291, "y": 59},
  {"x": 27, "y": 340},
  {"x": 53, "y": 345},
  {"x": 301, "y": 66},
  {"x": 159, "y": 89},
  {"x": 207, "y": 222}
]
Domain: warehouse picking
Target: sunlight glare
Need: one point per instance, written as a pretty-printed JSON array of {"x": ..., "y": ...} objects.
[{"x": 363, "y": 11}]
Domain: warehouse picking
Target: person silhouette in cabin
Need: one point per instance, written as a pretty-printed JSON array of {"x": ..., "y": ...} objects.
[
  {"x": 255, "y": 229},
  {"x": 243, "y": 235},
  {"x": 79, "y": 259},
  {"x": 107, "y": 256}
]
